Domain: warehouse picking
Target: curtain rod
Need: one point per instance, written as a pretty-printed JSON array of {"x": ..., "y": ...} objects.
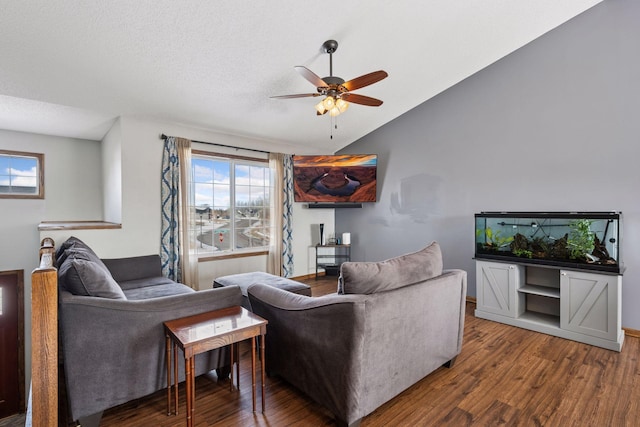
[{"x": 163, "y": 136}]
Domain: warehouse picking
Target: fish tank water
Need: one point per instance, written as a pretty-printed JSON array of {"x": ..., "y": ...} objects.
[{"x": 582, "y": 240}]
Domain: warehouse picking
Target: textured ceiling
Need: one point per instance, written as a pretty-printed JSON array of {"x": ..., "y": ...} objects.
[{"x": 70, "y": 67}]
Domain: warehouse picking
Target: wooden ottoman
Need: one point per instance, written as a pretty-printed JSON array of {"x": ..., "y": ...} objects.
[{"x": 244, "y": 280}]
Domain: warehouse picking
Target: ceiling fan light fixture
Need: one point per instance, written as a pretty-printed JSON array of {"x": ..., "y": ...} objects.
[
  {"x": 329, "y": 102},
  {"x": 320, "y": 107},
  {"x": 342, "y": 105},
  {"x": 334, "y": 88}
]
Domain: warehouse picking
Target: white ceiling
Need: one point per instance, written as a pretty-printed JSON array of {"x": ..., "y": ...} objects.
[{"x": 70, "y": 67}]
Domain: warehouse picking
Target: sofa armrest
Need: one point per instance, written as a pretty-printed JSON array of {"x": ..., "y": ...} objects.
[
  {"x": 289, "y": 301},
  {"x": 134, "y": 268},
  {"x": 115, "y": 349},
  {"x": 316, "y": 344}
]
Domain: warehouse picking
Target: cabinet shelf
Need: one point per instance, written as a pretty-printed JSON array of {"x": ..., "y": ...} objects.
[
  {"x": 541, "y": 318},
  {"x": 544, "y": 291}
]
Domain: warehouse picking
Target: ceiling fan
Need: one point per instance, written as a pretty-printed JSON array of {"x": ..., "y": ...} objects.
[{"x": 336, "y": 91}]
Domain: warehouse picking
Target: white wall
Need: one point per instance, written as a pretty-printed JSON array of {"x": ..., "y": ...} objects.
[
  {"x": 138, "y": 144},
  {"x": 112, "y": 174},
  {"x": 142, "y": 201},
  {"x": 72, "y": 191}
]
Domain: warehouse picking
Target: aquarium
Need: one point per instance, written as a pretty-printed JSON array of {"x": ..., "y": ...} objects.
[{"x": 583, "y": 240}]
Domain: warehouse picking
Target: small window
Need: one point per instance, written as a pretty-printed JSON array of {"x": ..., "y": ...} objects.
[{"x": 21, "y": 175}]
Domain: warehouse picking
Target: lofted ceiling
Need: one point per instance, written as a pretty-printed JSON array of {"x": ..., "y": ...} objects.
[{"x": 71, "y": 67}]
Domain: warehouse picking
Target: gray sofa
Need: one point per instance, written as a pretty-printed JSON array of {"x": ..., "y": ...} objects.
[
  {"x": 390, "y": 325},
  {"x": 112, "y": 337}
]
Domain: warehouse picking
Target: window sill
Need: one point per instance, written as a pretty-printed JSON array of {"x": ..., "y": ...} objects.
[
  {"x": 231, "y": 256},
  {"x": 77, "y": 225}
]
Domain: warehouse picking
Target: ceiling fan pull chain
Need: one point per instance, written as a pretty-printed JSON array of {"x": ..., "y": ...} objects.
[{"x": 333, "y": 125}]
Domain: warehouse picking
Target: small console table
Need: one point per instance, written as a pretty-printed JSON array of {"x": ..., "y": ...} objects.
[
  {"x": 207, "y": 331},
  {"x": 340, "y": 254}
]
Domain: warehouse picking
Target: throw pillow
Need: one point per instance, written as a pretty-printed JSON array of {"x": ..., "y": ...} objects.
[
  {"x": 372, "y": 277},
  {"x": 61, "y": 251},
  {"x": 72, "y": 246},
  {"x": 85, "y": 277}
]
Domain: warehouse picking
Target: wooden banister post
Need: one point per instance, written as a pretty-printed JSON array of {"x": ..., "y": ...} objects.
[{"x": 44, "y": 339}]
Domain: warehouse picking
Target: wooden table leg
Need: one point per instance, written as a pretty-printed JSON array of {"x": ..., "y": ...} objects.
[
  {"x": 188, "y": 388},
  {"x": 253, "y": 372},
  {"x": 232, "y": 357},
  {"x": 168, "y": 357},
  {"x": 237, "y": 345},
  {"x": 262, "y": 345},
  {"x": 193, "y": 389},
  {"x": 175, "y": 377}
]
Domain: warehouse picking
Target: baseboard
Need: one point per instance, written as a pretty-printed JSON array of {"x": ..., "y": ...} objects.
[{"x": 307, "y": 276}]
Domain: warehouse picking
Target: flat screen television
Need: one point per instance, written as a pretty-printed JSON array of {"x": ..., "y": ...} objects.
[{"x": 338, "y": 178}]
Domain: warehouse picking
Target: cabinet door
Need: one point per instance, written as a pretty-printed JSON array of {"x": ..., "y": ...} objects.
[
  {"x": 497, "y": 288},
  {"x": 590, "y": 303}
]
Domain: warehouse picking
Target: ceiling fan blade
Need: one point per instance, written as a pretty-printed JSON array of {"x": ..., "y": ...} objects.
[
  {"x": 310, "y": 76},
  {"x": 361, "y": 99},
  {"x": 366, "y": 80},
  {"x": 300, "y": 95}
]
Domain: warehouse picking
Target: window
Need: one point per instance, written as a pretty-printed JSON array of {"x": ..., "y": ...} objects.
[
  {"x": 231, "y": 205},
  {"x": 21, "y": 175}
]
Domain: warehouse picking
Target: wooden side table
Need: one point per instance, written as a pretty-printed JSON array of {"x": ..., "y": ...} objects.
[{"x": 207, "y": 331}]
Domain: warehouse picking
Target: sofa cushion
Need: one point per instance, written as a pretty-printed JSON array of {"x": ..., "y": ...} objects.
[
  {"x": 134, "y": 268},
  {"x": 144, "y": 283},
  {"x": 65, "y": 249},
  {"x": 81, "y": 272},
  {"x": 157, "y": 291},
  {"x": 372, "y": 277},
  {"x": 86, "y": 277}
]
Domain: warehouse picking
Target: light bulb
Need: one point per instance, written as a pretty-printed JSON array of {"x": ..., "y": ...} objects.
[
  {"x": 329, "y": 102},
  {"x": 342, "y": 105}
]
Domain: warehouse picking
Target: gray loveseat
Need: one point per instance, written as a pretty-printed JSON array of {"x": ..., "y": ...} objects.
[
  {"x": 112, "y": 337},
  {"x": 391, "y": 324}
]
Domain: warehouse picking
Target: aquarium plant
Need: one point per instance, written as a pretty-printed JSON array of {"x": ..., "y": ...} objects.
[
  {"x": 581, "y": 239},
  {"x": 523, "y": 253},
  {"x": 494, "y": 239}
]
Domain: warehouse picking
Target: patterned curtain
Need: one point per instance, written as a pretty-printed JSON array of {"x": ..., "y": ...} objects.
[
  {"x": 178, "y": 263},
  {"x": 287, "y": 217},
  {"x": 170, "y": 224},
  {"x": 280, "y": 259}
]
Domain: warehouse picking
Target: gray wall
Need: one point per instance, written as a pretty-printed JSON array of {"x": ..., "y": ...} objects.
[{"x": 555, "y": 126}]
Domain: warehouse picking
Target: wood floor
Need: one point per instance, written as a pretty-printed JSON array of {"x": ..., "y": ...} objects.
[{"x": 504, "y": 376}]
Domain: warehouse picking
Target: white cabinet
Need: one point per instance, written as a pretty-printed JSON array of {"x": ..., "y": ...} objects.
[
  {"x": 577, "y": 305},
  {"x": 498, "y": 293},
  {"x": 591, "y": 304}
]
